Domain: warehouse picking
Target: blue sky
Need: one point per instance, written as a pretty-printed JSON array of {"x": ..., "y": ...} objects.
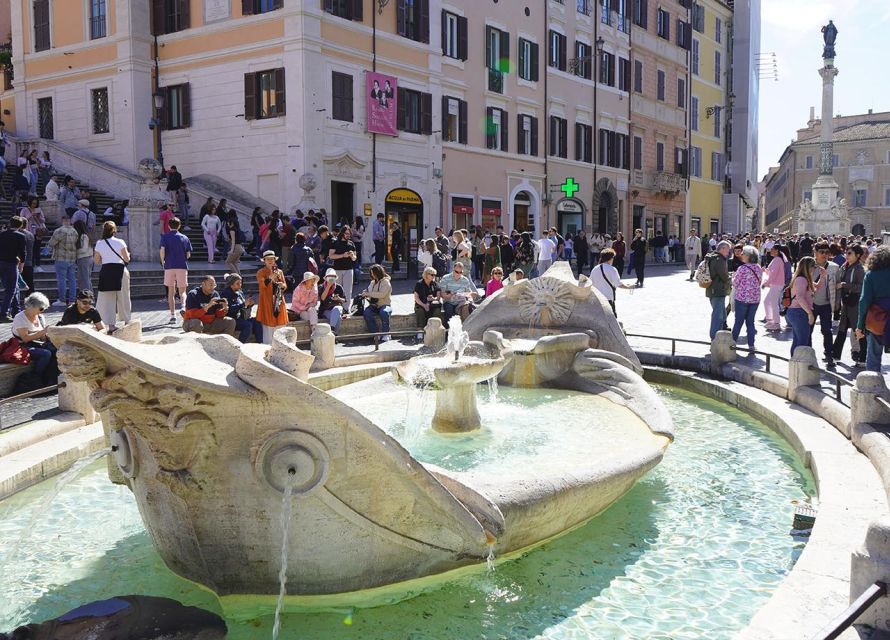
[{"x": 791, "y": 28}]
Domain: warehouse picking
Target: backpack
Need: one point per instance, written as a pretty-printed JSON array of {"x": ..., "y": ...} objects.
[
  {"x": 787, "y": 298},
  {"x": 440, "y": 264},
  {"x": 703, "y": 274}
]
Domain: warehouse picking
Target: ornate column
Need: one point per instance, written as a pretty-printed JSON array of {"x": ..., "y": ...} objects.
[{"x": 144, "y": 235}]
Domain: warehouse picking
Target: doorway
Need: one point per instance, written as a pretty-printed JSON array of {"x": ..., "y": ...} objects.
[
  {"x": 858, "y": 229},
  {"x": 521, "y": 207},
  {"x": 405, "y": 207},
  {"x": 342, "y": 202},
  {"x": 602, "y": 214}
]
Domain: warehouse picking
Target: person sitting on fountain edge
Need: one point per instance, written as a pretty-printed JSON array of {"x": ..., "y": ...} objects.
[
  {"x": 458, "y": 293},
  {"x": 426, "y": 299},
  {"x": 205, "y": 310},
  {"x": 82, "y": 312},
  {"x": 330, "y": 300}
]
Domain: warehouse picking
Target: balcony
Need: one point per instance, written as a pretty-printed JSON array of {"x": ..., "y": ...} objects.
[
  {"x": 669, "y": 182},
  {"x": 495, "y": 81}
]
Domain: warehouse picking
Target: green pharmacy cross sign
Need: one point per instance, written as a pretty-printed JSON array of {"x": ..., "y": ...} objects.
[{"x": 569, "y": 187}]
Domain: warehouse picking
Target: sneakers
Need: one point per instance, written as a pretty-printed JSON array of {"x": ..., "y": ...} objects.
[
  {"x": 172, "y": 320},
  {"x": 385, "y": 338}
]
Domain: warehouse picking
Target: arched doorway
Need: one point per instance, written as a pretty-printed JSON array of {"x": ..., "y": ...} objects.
[
  {"x": 858, "y": 229},
  {"x": 605, "y": 207},
  {"x": 522, "y": 220},
  {"x": 601, "y": 222},
  {"x": 405, "y": 207}
]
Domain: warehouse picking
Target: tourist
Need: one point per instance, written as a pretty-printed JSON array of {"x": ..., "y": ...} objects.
[
  {"x": 442, "y": 241},
  {"x": 619, "y": 246},
  {"x": 174, "y": 182},
  {"x": 395, "y": 247},
  {"x": 659, "y": 244},
  {"x": 257, "y": 221},
  {"x": 69, "y": 195},
  {"x": 849, "y": 284},
  {"x": 507, "y": 255},
  {"x": 805, "y": 248},
  {"x": 330, "y": 300},
  {"x": 205, "y": 208},
  {"x": 477, "y": 243},
  {"x": 559, "y": 243},
  {"x": 524, "y": 260},
  {"x": 343, "y": 257},
  {"x": 35, "y": 222},
  {"x": 206, "y": 311},
  {"x": 463, "y": 251},
  {"x": 29, "y": 326},
  {"x": 239, "y": 309},
  {"x": 378, "y": 298},
  {"x": 458, "y": 293},
  {"x": 746, "y": 284},
  {"x": 638, "y": 247},
  {"x": 378, "y": 234},
  {"x": 84, "y": 261},
  {"x": 305, "y": 299},
  {"x": 112, "y": 256},
  {"x": 358, "y": 235},
  {"x": 546, "y": 248},
  {"x": 63, "y": 244},
  {"x": 13, "y": 248},
  {"x": 165, "y": 215},
  {"x": 606, "y": 278},
  {"x": 235, "y": 240},
  {"x": 182, "y": 205},
  {"x": 800, "y": 314},
  {"x": 496, "y": 283},
  {"x": 774, "y": 281},
  {"x": 425, "y": 252},
  {"x": 692, "y": 252},
  {"x": 26, "y": 275},
  {"x": 271, "y": 307},
  {"x": 569, "y": 252},
  {"x": 825, "y": 299},
  {"x": 491, "y": 258},
  {"x": 323, "y": 248},
  {"x": 301, "y": 257},
  {"x": 582, "y": 251},
  {"x": 719, "y": 287},
  {"x": 875, "y": 292},
  {"x": 52, "y": 189},
  {"x": 211, "y": 225},
  {"x": 427, "y": 303},
  {"x": 175, "y": 251},
  {"x": 83, "y": 312}
]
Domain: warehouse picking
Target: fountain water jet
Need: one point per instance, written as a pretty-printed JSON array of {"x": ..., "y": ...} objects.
[{"x": 286, "y": 507}]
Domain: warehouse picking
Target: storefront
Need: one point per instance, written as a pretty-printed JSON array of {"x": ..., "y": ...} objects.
[
  {"x": 461, "y": 213},
  {"x": 491, "y": 215},
  {"x": 405, "y": 207},
  {"x": 570, "y": 216}
]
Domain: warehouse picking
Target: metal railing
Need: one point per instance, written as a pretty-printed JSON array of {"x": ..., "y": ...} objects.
[
  {"x": 673, "y": 341},
  {"x": 838, "y": 381},
  {"x": 859, "y": 606}
]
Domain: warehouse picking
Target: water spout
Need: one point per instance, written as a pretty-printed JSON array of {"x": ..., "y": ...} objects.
[
  {"x": 493, "y": 389},
  {"x": 458, "y": 339},
  {"x": 286, "y": 507},
  {"x": 489, "y": 559}
]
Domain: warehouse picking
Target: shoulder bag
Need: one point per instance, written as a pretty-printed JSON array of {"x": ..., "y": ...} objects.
[{"x": 111, "y": 276}]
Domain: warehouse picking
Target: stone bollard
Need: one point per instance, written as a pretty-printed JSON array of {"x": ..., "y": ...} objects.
[
  {"x": 323, "y": 347},
  {"x": 722, "y": 351},
  {"x": 75, "y": 396},
  {"x": 863, "y": 404},
  {"x": 435, "y": 334},
  {"x": 803, "y": 371},
  {"x": 871, "y": 563},
  {"x": 285, "y": 354}
]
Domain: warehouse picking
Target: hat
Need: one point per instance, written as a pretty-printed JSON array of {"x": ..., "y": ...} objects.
[
  {"x": 83, "y": 203},
  {"x": 309, "y": 276},
  {"x": 329, "y": 273},
  {"x": 269, "y": 254},
  {"x": 84, "y": 294}
]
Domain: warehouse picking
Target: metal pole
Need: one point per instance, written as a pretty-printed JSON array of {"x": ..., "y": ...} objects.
[{"x": 159, "y": 138}]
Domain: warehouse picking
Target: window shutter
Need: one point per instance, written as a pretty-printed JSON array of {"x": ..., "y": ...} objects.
[
  {"x": 158, "y": 17},
  {"x": 280, "y": 106},
  {"x": 487, "y": 60},
  {"x": 535, "y": 62},
  {"x": 588, "y": 137},
  {"x": 552, "y": 138},
  {"x": 462, "y": 38},
  {"x": 564, "y": 138},
  {"x": 505, "y": 53},
  {"x": 401, "y": 21},
  {"x": 644, "y": 9},
  {"x": 534, "y": 149},
  {"x": 522, "y": 52},
  {"x": 250, "y": 96},
  {"x": 505, "y": 137},
  {"x": 601, "y": 153},
  {"x": 444, "y": 127},
  {"x": 426, "y": 113},
  {"x": 462, "y": 122},
  {"x": 329, "y": 6},
  {"x": 444, "y": 31},
  {"x": 164, "y": 113},
  {"x": 562, "y": 52},
  {"x": 185, "y": 14},
  {"x": 401, "y": 104},
  {"x": 520, "y": 137},
  {"x": 185, "y": 94},
  {"x": 246, "y": 7},
  {"x": 424, "y": 20},
  {"x": 489, "y": 127},
  {"x": 358, "y": 10},
  {"x": 578, "y": 134}
]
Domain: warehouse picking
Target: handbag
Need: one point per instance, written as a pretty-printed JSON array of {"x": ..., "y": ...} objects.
[
  {"x": 12, "y": 352},
  {"x": 111, "y": 276}
]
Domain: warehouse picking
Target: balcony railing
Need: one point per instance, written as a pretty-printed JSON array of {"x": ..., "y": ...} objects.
[
  {"x": 495, "y": 80},
  {"x": 669, "y": 182}
]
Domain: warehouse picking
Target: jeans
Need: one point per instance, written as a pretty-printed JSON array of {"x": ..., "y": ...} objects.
[
  {"x": 744, "y": 314},
  {"x": 344, "y": 279},
  {"x": 823, "y": 314},
  {"x": 849, "y": 319},
  {"x": 66, "y": 280},
  {"x": 384, "y": 312},
  {"x": 874, "y": 352},
  {"x": 333, "y": 317},
  {"x": 801, "y": 329},
  {"x": 718, "y": 315},
  {"x": 85, "y": 273},
  {"x": 9, "y": 276},
  {"x": 246, "y": 327},
  {"x": 543, "y": 265},
  {"x": 41, "y": 357},
  {"x": 379, "y": 251}
]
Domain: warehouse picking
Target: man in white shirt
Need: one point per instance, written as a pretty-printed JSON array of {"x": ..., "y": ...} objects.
[
  {"x": 692, "y": 251},
  {"x": 546, "y": 248},
  {"x": 606, "y": 279},
  {"x": 52, "y": 188}
]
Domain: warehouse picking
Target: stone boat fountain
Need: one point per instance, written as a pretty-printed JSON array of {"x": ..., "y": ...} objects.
[{"x": 208, "y": 433}]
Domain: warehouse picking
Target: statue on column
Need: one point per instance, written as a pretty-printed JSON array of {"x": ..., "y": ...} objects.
[
  {"x": 829, "y": 35},
  {"x": 805, "y": 211}
]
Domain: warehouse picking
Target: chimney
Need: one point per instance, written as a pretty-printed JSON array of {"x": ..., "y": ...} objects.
[
  {"x": 870, "y": 112},
  {"x": 812, "y": 119}
]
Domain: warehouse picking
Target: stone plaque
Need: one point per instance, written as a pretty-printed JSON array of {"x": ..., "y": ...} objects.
[
  {"x": 823, "y": 198},
  {"x": 215, "y": 10}
]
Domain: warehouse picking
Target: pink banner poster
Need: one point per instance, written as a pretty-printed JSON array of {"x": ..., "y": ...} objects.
[{"x": 382, "y": 92}]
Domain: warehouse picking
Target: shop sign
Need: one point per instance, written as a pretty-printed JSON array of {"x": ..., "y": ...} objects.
[
  {"x": 403, "y": 196},
  {"x": 569, "y": 206}
]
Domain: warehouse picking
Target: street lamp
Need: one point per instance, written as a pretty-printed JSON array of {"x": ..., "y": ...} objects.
[{"x": 158, "y": 97}]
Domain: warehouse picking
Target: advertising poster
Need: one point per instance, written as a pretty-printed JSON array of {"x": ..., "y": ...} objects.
[{"x": 381, "y": 99}]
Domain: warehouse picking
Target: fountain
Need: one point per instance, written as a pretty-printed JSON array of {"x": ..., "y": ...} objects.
[{"x": 211, "y": 435}]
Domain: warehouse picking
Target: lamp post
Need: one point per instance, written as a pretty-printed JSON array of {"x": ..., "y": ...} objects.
[{"x": 158, "y": 98}]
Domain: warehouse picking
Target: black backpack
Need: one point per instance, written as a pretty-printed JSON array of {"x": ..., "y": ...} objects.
[{"x": 440, "y": 264}]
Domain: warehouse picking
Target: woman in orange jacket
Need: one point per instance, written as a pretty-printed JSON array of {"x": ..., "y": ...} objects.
[{"x": 271, "y": 309}]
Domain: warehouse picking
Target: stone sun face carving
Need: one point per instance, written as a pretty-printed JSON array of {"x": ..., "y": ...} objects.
[{"x": 546, "y": 302}]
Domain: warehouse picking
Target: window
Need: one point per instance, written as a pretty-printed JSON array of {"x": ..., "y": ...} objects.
[
  {"x": 681, "y": 93},
  {"x": 638, "y": 76},
  {"x": 693, "y": 114},
  {"x": 695, "y": 168},
  {"x": 638, "y": 153},
  {"x": 808, "y": 195},
  {"x": 557, "y": 51},
  {"x": 695, "y": 50},
  {"x": 659, "y": 156},
  {"x": 264, "y": 94},
  {"x": 341, "y": 96},
  {"x": 255, "y": 7},
  {"x": 415, "y": 111},
  {"x": 887, "y": 196},
  {"x": 718, "y": 30},
  {"x": 718, "y": 72},
  {"x": 528, "y": 60},
  {"x": 454, "y": 120},
  {"x": 660, "y": 88},
  {"x": 99, "y": 103},
  {"x": 860, "y": 196},
  {"x": 623, "y": 74},
  {"x": 684, "y": 34},
  {"x": 808, "y": 162},
  {"x": 41, "y": 25},
  {"x": 835, "y": 160},
  {"x": 584, "y": 7},
  {"x": 497, "y": 57},
  {"x": 45, "y": 116},
  {"x": 528, "y": 135},
  {"x": 641, "y": 13},
  {"x": 97, "y": 19},
  {"x": 698, "y": 17},
  {"x": 582, "y": 54},
  {"x": 717, "y": 127},
  {"x": 663, "y": 24},
  {"x": 170, "y": 16},
  {"x": 622, "y": 151},
  {"x": 496, "y": 129},
  {"x": 583, "y": 142},
  {"x": 717, "y": 166},
  {"x": 605, "y": 11},
  {"x": 621, "y": 11},
  {"x": 454, "y": 36},
  {"x": 607, "y": 69},
  {"x": 559, "y": 133},
  {"x": 177, "y": 112},
  {"x": 413, "y": 19}
]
